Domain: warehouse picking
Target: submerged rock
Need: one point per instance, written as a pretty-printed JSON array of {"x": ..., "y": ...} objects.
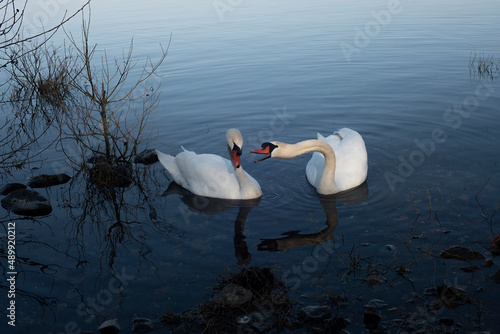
[
  {"x": 495, "y": 245},
  {"x": 142, "y": 325},
  {"x": 371, "y": 318},
  {"x": 461, "y": 253},
  {"x": 376, "y": 303},
  {"x": 315, "y": 312},
  {"x": 470, "y": 269},
  {"x": 44, "y": 181},
  {"x": 496, "y": 277},
  {"x": 27, "y": 203},
  {"x": 10, "y": 187},
  {"x": 146, "y": 157},
  {"x": 109, "y": 327}
]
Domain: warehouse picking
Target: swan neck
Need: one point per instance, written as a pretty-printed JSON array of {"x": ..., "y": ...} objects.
[
  {"x": 327, "y": 182},
  {"x": 314, "y": 146}
]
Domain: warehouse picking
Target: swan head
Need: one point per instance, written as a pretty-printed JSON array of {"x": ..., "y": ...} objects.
[
  {"x": 234, "y": 141},
  {"x": 270, "y": 149}
]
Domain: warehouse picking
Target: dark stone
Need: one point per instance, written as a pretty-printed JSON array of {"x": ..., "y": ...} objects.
[
  {"x": 470, "y": 269},
  {"x": 44, "y": 181},
  {"x": 109, "y": 327},
  {"x": 146, "y": 157},
  {"x": 118, "y": 175},
  {"x": 390, "y": 247},
  {"x": 496, "y": 277},
  {"x": 371, "y": 318},
  {"x": 315, "y": 312},
  {"x": 488, "y": 263},
  {"x": 446, "y": 322},
  {"x": 27, "y": 203},
  {"x": 10, "y": 187},
  {"x": 461, "y": 253},
  {"x": 495, "y": 245},
  {"x": 142, "y": 325}
]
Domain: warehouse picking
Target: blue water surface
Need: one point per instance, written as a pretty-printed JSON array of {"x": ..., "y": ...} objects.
[{"x": 395, "y": 71}]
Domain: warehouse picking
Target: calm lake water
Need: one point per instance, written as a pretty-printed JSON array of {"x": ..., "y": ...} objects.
[{"x": 395, "y": 71}]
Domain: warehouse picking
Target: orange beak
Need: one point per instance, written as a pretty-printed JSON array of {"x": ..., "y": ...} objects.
[
  {"x": 264, "y": 150},
  {"x": 236, "y": 158}
]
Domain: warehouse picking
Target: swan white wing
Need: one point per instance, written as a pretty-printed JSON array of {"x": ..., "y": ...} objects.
[
  {"x": 204, "y": 175},
  {"x": 170, "y": 164},
  {"x": 351, "y": 160},
  {"x": 314, "y": 169}
]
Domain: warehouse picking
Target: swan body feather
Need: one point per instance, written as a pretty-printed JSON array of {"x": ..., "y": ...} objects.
[
  {"x": 210, "y": 175},
  {"x": 351, "y": 160}
]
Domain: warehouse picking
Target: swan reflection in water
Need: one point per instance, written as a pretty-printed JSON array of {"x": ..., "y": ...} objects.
[
  {"x": 213, "y": 206},
  {"x": 291, "y": 239},
  {"x": 294, "y": 239}
]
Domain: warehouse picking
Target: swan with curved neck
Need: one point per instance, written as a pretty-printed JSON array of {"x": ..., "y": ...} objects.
[
  {"x": 339, "y": 161},
  {"x": 210, "y": 175}
]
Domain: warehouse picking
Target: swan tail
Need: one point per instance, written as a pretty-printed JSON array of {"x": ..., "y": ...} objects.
[
  {"x": 169, "y": 163},
  {"x": 320, "y": 136}
]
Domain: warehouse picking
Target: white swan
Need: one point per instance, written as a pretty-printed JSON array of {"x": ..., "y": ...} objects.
[
  {"x": 210, "y": 175},
  {"x": 339, "y": 161}
]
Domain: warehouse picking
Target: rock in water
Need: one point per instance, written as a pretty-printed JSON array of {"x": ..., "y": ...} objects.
[
  {"x": 44, "y": 181},
  {"x": 109, "y": 327},
  {"x": 108, "y": 176},
  {"x": 146, "y": 157},
  {"x": 371, "y": 318},
  {"x": 315, "y": 312},
  {"x": 496, "y": 277},
  {"x": 10, "y": 187},
  {"x": 27, "y": 203},
  {"x": 142, "y": 325},
  {"x": 461, "y": 253}
]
